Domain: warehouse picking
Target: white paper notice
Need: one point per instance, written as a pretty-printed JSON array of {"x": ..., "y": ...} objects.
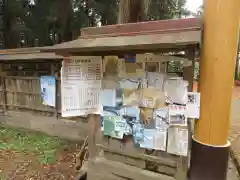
[
  {"x": 193, "y": 105},
  {"x": 161, "y": 117},
  {"x": 160, "y": 139},
  {"x": 176, "y": 91},
  {"x": 108, "y": 97},
  {"x": 178, "y": 141},
  {"x": 155, "y": 80},
  {"x": 80, "y": 85},
  {"x": 177, "y": 115}
]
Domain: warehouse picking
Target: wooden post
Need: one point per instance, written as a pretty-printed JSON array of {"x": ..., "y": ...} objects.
[
  {"x": 53, "y": 73},
  {"x": 188, "y": 71},
  {"x": 93, "y": 128},
  {"x": 3, "y": 91},
  {"x": 210, "y": 146}
]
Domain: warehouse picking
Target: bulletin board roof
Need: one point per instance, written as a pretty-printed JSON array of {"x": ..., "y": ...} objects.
[
  {"x": 26, "y": 54},
  {"x": 143, "y": 28},
  {"x": 138, "y": 37},
  {"x": 123, "y": 44}
]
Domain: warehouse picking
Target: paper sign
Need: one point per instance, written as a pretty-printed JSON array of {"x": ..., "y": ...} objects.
[
  {"x": 146, "y": 117},
  {"x": 120, "y": 125},
  {"x": 80, "y": 85},
  {"x": 152, "y": 98},
  {"x": 176, "y": 91},
  {"x": 48, "y": 90},
  {"x": 155, "y": 80},
  {"x": 160, "y": 139},
  {"x": 127, "y": 127},
  {"x": 108, "y": 111},
  {"x": 112, "y": 127},
  {"x": 132, "y": 112},
  {"x": 161, "y": 117},
  {"x": 131, "y": 97},
  {"x": 148, "y": 139},
  {"x": 178, "y": 141},
  {"x": 108, "y": 97},
  {"x": 177, "y": 115},
  {"x": 193, "y": 105},
  {"x": 154, "y": 139}
]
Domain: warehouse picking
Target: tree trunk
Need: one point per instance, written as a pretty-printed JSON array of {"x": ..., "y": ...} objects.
[
  {"x": 64, "y": 16},
  {"x": 12, "y": 35},
  {"x": 133, "y": 11}
]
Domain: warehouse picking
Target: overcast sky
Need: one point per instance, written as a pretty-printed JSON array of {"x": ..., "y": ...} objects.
[{"x": 193, "y": 5}]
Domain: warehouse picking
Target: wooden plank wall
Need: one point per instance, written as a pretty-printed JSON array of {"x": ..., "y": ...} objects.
[
  {"x": 24, "y": 93},
  {"x": 20, "y": 88}
]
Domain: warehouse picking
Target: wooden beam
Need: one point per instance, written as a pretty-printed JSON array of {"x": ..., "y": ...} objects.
[
  {"x": 188, "y": 71},
  {"x": 143, "y": 27}
]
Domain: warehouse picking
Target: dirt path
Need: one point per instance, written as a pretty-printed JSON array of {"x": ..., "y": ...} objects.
[
  {"x": 234, "y": 134},
  {"x": 36, "y": 157}
]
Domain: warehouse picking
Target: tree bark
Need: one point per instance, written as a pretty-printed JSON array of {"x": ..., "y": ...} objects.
[
  {"x": 133, "y": 11},
  {"x": 64, "y": 16},
  {"x": 12, "y": 35}
]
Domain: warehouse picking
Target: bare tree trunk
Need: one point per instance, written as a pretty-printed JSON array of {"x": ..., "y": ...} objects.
[
  {"x": 12, "y": 36},
  {"x": 133, "y": 11},
  {"x": 129, "y": 11},
  {"x": 64, "y": 17}
]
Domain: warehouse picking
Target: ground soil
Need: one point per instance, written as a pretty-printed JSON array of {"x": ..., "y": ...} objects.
[
  {"x": 24, "y": 166},
  {"x": 24, "y": 163}
]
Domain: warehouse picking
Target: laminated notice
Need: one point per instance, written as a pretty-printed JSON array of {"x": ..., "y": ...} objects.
[
  {"x": 178, "y": 141},
  {"x": 80, "y": 85}
]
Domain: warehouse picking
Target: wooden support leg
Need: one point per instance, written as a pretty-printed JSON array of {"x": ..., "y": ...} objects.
[
  {"x": 94, "y": 126},
  {"x": 3, "y": 89},
  {"x": 53, "y": 73}
]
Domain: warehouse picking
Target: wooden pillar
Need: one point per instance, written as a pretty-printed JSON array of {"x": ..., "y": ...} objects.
[
  {"x": 54, "y": 73},
  {"x": 210, "y": 147},
  {"x": 3, "y": 89},
  {"x": 188, "y": 69}
]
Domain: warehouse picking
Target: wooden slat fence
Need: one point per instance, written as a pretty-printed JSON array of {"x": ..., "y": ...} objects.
[{"x": 18, "y": 92}]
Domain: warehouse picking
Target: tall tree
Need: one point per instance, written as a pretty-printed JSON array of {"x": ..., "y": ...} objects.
[
  {"x": 41, "y": 22},
  {"x": 46, "y": 22},
  {"x": 106, "y": 10},
  {"x": 64, "y": 18},
  {"x": 200, "y": 10},
  {"x": 14, "y": 12},
  {"x": 160, "y": 10},
  {"x": 133, "y": 10}
]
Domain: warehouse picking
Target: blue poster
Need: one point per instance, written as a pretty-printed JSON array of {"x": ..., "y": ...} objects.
[{"x": 48, "y": 90}]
